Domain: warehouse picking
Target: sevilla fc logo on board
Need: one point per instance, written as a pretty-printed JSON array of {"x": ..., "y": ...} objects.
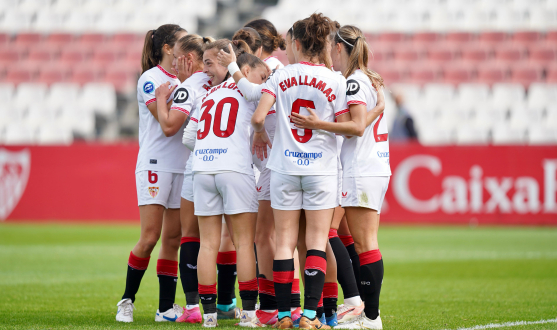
[
  {"x": 153, "y": 191},
  {"x": 14, "y": 173}
]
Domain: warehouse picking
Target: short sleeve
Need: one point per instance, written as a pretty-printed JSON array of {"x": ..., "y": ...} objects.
[
  {"x": 341, "y": 107},
  {"x": 356, "y": 92},
  {"x": 195, "y": 115},
  {"x": 146, "y": 88},
  {"x": 184, "y": 98},
  {"x": 271, "y": 85}
]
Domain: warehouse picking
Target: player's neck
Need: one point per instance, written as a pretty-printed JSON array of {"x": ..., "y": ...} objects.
[
  {"x": 305, "y": 58},
  {"x": 167, "y": 65},
  {"x": 265, "y": 55}
]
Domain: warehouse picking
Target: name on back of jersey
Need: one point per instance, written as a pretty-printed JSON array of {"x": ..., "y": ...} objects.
[
  {"x": 223, "y": 85},
  {"x": 303, "y": 81}
]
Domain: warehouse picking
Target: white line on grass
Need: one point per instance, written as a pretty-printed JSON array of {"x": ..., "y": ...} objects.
[{"x": 508, "y": 324}]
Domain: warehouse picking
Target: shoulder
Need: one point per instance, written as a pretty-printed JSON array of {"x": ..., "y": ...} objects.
[
  {"x": 273, "y": 61},
  {"x": 148, "y": 82},
  {"x": 358, "y": 82}
]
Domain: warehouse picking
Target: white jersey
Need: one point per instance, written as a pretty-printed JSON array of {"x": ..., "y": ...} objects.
[
  {"x": 271, "y": 119},
  {"x": 223, "y": 137},
  {"x": 156, "y": 151},
  {"x": 367, "y": 155},
  {"x": 186, "y": 97},
  {"x": 295, "y": 87}
]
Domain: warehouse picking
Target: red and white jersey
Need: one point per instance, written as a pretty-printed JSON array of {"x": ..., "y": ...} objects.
[
  {"x": 156, "y": 151},
  {"x": 295, "y": 87},
  {"x": 271, "y": 119},
  {"x": 190, "y": 92},
  {"x": 367, "y": 155},
  {"x": 223, "y": 134}
]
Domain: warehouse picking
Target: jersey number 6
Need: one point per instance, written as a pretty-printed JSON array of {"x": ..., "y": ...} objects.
[
  {"x": 206, "y": 116},
  {"x": 296, "y": 106}
]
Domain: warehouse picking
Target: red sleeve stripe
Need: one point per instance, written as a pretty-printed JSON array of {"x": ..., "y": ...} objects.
[
  {"x": 357, "y": 102},
  {"x": 150, "y": 101},
  {"x": 268, "y": 92},
  {"x": 271, "y": 112},
  {"x": 341, "y": 112},
  {"x": 194, "y": 119},
  {"x": 181, "y": 110}
]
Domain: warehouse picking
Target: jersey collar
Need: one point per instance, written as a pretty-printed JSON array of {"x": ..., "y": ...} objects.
[
  {"x": 265, "y": 60},
  {"x": 166, "y": 72},
  {"x": 312, "y": 64}
]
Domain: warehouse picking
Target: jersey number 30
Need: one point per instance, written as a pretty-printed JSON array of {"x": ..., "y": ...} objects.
[
  {"x": 206, "y": 116},
  {"x": 296, "y": 106}
]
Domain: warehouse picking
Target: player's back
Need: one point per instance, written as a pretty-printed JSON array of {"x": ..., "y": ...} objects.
[
  {"x": 223, "y": 137},
  {"x": 156, "y": 151},
  {"x": 295, "y": 87}
]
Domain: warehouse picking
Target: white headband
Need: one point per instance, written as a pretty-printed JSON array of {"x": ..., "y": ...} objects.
[{"x": 346, "y": 42}]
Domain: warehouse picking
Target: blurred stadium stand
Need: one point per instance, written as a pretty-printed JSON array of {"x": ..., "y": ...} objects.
[{"x": 471, "y": 71}]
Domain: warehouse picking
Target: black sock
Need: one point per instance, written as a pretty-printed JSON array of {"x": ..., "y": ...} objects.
[
  {"x": 345, "y": 272},
  {"x": 314, "y": 275},
  {"x": 283, "y": 275},
  {"x": 320, "y": 311},
  {"x": 248, "y": 294},
  {"x": 267, "y": 299},
  {"x": 136, "y": 269},
  {"x": 330, "y": 297},
  {"x": 208, "y": 296},
  {"x": 189, "y": 250},
  {"x": 295, "y": 297},
  {"x": 371, "y": 272},
  {"x": 355, "y": 265},
  {"x": 256, "y": 262},
  {"x": 226, "y": 266},
  {"x": 167, "y": 271}
]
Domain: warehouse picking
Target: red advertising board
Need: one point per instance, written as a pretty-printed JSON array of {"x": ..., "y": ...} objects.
[{"x": 464, "y": 184}]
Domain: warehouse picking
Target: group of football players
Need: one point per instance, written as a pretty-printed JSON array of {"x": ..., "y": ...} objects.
[{"x": 260, "y": 142}]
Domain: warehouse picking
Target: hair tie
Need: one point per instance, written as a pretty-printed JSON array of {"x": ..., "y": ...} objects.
[{"x": 346, "y": 42}]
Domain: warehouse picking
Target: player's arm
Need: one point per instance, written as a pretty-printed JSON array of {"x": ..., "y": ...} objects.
[
  {"x": 190, "y": 134},
  {"x": 260, "y": 138},
  {"x": 378, "y": 109},
  {"x": 349, "y": 123},
  {"x": 170, "y": 121}
]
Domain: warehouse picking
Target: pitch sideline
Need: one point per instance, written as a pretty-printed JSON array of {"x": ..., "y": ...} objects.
[{"x": 508, "y": 324}]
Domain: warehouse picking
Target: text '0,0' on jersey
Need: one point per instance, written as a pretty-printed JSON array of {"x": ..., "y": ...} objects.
[
  {"x": 298, "y": 151},
  {"x": 367, "y": 155},
  {"x": 156, "y": 151},
  {"x": 223, "y": 136}
]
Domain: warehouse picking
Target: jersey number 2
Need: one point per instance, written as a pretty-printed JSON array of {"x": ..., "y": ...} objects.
[
  {"x": 206, "y": 116},
  {"x": 379, "y": 137},
  {"x": 296, "y": 106}
]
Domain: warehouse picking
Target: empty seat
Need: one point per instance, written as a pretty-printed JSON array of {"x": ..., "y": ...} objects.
[
  {"x": 510, "y": 52},
  {"x": 79, "y": 21},
  {"x": 391, "y": 75},
  {"x": 526, "y": 36},
  {"x": 100, "y": 97},
  {"x": 28, "y": 38},
  {"x": 29, "y": 93},
  {"x": 9, "y": 55},
  {"x": 493, "y": 36},
  {"x": 54, "y": 135},
  {"x": 526, "y": 73},
  {"x": 541, "y": 96},
  {"x": 551, "y": 36},
  {"x": 391, "y": 37},
  {"x": 491, "y": 73},
  {"x": 442, "y": 53},
  {"x": 408, "y": 53},
  {"x": 543, "y": 53},
  {"x": 104, "y": 55},
  {"x": 61, "y": 94},
  {"x": 121, "y": 78},
  {"x": 19, "y": 134},
  {"x": 472, "y": 95},
  {"x": 43, "y": 53},
  {"x": 16, "y": 20},
  {"x": 92, "y": 39},
  {"x": 49, "y": 20},
  {"x": 476, "y": 52},
  {"x": 471, "y": 135},
  {"x": 85, "y": 73},
  {"x": 73, "y": 55},
  {"x": 423, "y": 73},
  {"x": 503, "y": 134},
  {"x": 551, "y": 73},
  {"x": 458, "y": 73},
  {"x": 541, "y": 135},
  {"x": 425, "y": 37},
  {"x": 59, "y": 39},
  {"x": 6, "y": 93},
  {"x": 126, "y": 38},
  {"x": 54, "y": 74},
  {"x": 18, "y": 75},
  {"x": 507, "y": 95},
  {"x": 459, "y": 37},
  {"x": 79, "y": 120}
]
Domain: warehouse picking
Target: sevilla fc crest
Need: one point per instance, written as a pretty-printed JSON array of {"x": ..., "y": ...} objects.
[
  {"x": 153, "y": 191},
  {"x": 14, "y": 173}
]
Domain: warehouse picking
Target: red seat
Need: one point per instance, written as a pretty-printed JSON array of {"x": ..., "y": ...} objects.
[
  {"x": 442, "y": 53},
  {"x": 492, "y": 72},
  {"x": 551, "y": 77},
  {"x": 43, "y": 53},
  {"x": 4, "y": 38},
  {"x": 543, "y": 53},
  {"x": 104, "y": 55},
  {"x": 493, "y": 36},
  {"x": 126, "y": 38},
  {"x": 391, "y": 37},
  {"x": 458, "y": 73},
  {"x": 476, "y": 52},
  {"x": 92, "y": 39},
  {"x": 28, "y": 38},
  {"x": 459, "y": 37},
  {"x": 135, "y": 56},
  {"x": 391, "y": 75},
  {"x": 527, "y": 36},
  {"x": 380, "y": 52},
  {"x": 526, "y": 73},
  {"x": 85, "y": 73},
  {"x": 9, "y": 55},
  {"x": 74, "y": 54},
  {"x": 551, "y": 36},
  {"x": 510, "y": 52},
  {"x": 425, "y": 37},
  {"x": 122, "y": 78},
  {"x": 54, "y": 74},
  {"x": 408, "y": 53},
  {"x": 17, "y": 75},
  {"x": 423, "y": 73},
  {"x": 59, "y": 39}
]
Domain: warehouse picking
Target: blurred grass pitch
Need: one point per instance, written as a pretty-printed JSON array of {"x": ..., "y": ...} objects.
[{"x": 62, "y": 276}]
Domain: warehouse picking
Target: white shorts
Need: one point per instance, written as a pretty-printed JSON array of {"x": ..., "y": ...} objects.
[
  {"x": 364, "y": 191},
  {"x": 187, "y": 187},
  {"x": 224, "y": 193},
  {"x": 308, "y": 192},
  {"x": 264, "y": 186},
  {"x": 161, "y": 188}
]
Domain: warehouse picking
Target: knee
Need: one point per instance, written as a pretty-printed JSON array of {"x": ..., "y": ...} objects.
[{"x": 148, "y": 242}]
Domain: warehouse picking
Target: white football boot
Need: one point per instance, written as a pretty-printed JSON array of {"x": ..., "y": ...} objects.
[
  {"x": 170, "y": 315},
  {"x": 210, "y": 320},
  {"x": 362, "y": 322},
  {"x": 125, "y": 311},
  {"x": 249, "y": 320}
]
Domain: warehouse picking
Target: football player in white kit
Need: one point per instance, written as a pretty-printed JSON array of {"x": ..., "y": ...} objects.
[
  {"x": 303, "y": 164},
  {"x": 365, "y": 162},
  {"x": 159, "y": 178},
  {"x": 224, "y": 181},
  {"x": 188, "y": 58}
]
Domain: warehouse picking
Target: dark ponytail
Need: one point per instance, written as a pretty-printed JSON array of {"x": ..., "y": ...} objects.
[
  {"x": 251, "y": 60},
  {"x": 312, "y": 33},
  {"x": 250, "y": 36},
  {"x": 271, "y": 40},
  {"x": 155, "y": 41}
]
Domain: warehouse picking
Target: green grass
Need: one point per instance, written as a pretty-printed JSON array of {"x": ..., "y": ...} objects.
[{"x": 72, "y": 276}]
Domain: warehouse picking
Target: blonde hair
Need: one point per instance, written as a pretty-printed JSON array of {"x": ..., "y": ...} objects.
[
  {"x": 354, "y": 42},
  {"x": 193, "y": 43}
]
